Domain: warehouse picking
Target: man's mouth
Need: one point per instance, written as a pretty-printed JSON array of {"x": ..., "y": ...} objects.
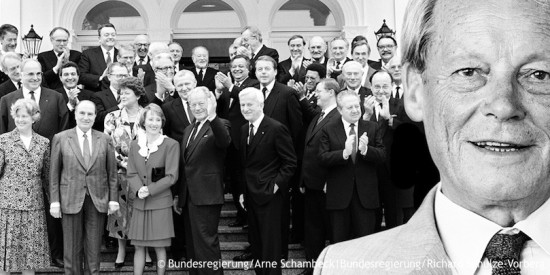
[{"x": 501, "y": 147}]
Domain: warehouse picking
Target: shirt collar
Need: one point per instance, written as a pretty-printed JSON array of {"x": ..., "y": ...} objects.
[
  {"x": 111, "y": 51},
  {"x": 269, "y": 86},
  {"x": 80, "y": 133},
  {"x": 258, "y": 49},
  {"x": 137, "y": 58},
  {"x": 258, "y": 121},
  {"x": 465, "y": 235},
  {"x": 347, "y": 124},
  {"x": 27, "y": 91},
  {"x": 329, "y": 108}
]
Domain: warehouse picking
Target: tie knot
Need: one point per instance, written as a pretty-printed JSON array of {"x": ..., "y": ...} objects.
[
  {"x": 31, "y": 92},
  {"x": 352, "y": 125},
  {"x": 84, "y": 135},
  {"x": 503, "y": 251},
  {"x": 264, "y": 89},
  {"x": 251, "y": 126},
  {"x": 322, "y": 114}
]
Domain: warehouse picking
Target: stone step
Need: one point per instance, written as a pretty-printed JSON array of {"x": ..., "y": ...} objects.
[
  {"x": 227, "y": 217},
  {"x": 228, "y": 205}
]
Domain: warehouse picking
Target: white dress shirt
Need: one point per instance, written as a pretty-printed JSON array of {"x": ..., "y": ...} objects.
[
  {"x": 111, "y": 53},
  {"x": 347, "y": 129},
  {"x": 27, "y": 94},
  {"x": 80, "y": 136},
  {"x": 394, "y": 91},
  {"x": 269, "y": 88},
  {"x": 465, "y": 235}
]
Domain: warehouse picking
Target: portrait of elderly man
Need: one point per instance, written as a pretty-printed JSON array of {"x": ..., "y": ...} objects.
[{"x": 477, "y": 74}]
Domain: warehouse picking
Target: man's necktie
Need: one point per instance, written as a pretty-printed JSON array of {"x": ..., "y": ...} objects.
[
  {"x": 201, "y": 75},
  {"x": 59, "y": 54},
  {"x": 141, "y": 60},
  {"x": 503, "y": 252},
  {"x": 397, "y": 92},
  {"x": 194, "y": 132},
  {"x": 118, "y": 96},
  {"x": 190, "y": 115},
  {"x": 321, "y": 116},
  {"x": 264, "y": 91},
  {"x": 32, "y": 95},
  {"x": 337, "y": 65},
  {"x": 251, "y": 134},
  {"x": 108, "y": 60},
  {"x": 238, "y": 84},
  {"x": 19, "y": 85},
  {"x": 86, "y": 151},
  {"x": 354, "y": 148}
]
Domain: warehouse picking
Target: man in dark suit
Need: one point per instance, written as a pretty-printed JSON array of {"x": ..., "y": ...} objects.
[
  {"x": 8, "y": 43},
  {"x": 69, "y": 74},
  {"x": 318, "y": 50},
  {"x": 252, "y": 39},
  {"x": 281, "y": 104},
  {"x": 54, "y": 119},
  {"x": 313, "y": 175},
  {"x": 339, "y": 47},
  {"x": 177, "y": 51},
  {"x": 201, "y": 187},
  {"x": 11, "y": 63},
  {"x": 394, "y": 68},
  {"x": 387, "y": 47},
  {"x": 83, "y": 187},
  {"x": 94, "y": 62},
  {"x": 295, "y": 66},
  {"x": 352, "y": 73},
  {"x": 52, "y": 61},
  {"x": 107, "y": 100},
  {"x": 178, "y": 117},
  {"x": 204, "y": 74},
  {"x": 351, "y": 148},
  {"x": 162, "y": 89},
  {"x": 229, "y": 108},
  {"x": 269, "y": 162}
]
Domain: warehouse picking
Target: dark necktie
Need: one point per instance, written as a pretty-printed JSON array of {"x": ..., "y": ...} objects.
[
  {"x": 201, "y": 75},
  {"x": 503, "y": 252},
  {"x": 108, "y": 60},
  {"x": 397, "y": 92},
  {"x": 141, "y": 60},
  {"x": 118, "y": 96},
  {"x": 19, "y": 85},
  {"x": 238, "y": 84},
  {"x": 354, "y": 148},
  {"x": 86, "y": 150},
  {"x": 337, "y": 65},
  {"x": 32, "y": 95},
  {"x": 251, "y": 134},
  {"x": 194, "y": 132},
  {"x": 190, "y": 115},
  {"x": 321, "y": 116},
  {"x": 59, "y": 54},
  {"x": 264, "y": 91}
]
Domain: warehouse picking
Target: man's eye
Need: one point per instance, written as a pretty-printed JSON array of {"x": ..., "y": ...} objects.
[
  {"x": 540, "y": 75},
  {"x": 467, "y": 72}
]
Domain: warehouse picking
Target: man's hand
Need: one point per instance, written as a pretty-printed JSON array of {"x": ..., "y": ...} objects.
[
  {"x": 242, "y": 50},
  {"x": 175, "y": 205},
  {"x": 385, "y": 110},
  {"x": 73, "y": 96},
  {"x": 141, "y": 75},
  {"x": 211, "y": 107},
  {"x": 241, "y": 201},
  {"x": 363, "y": 142},
  {"x": 369, "y": 104},
  {"x": 224, "y": 79},
  {"x": 275, "y": 188},
  {"x": 300, "y": 90},
  {"x": 104, "y": 74},
  {"x": 55, "y": 211},
  {"x": 325, "y": 188},
  {"x": 295, "y": 66},
  {"x": 302, "y": 190},
  {"x": 350, "y": 143},
  {"x": 306, "y": 63}
]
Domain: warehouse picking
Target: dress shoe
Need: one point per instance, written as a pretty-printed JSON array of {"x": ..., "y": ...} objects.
[
  {"x": 57, "y": 263},
  {"x": 119, "y": 265}
]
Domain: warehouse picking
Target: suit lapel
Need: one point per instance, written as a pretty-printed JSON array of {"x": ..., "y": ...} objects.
[
  {"x": 73, "y": 142},
  {"x": 95, "y": 147},
  {"x": 111, "y": 100},
  {"x": 341, "y": 133},
  {"x": 43, "y": 103},
  {"x": 271, "y": 101},
  {"x": 258, "y": 136},
  {"x": 179, "y": 110},
  {"x": 325, "y": 120},
  {"x": 193, "y": 144}
]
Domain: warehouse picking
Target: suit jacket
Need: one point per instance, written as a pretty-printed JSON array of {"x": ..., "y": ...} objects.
[
  {"x": 344, "y": 176},
  {"x": 3, "y": 77},
  {"x": 363, "y": 93},
  {"x": 314, "y": 175},
  {"x": 377, "y": 65},
  {"x": 208, "y": 78},
  {"x": 268, "y": 160},
  {"x": 230, "y": 109},
  {"x": 150, "y": 93},
  {"x": 282, "y": 105},
  {"x": 6, "y": 88},
  {"x": 202, "y": 163},
  {"x": 83, "y": 95},
  {"x": 48, "y": 60},
  {"x": 70, "y": 178},
  {"x": 283, "y": 72},
  {"x": 91, "y": 65},
  {"x": 337, "y": 73},
  {"x": 264, "y": 50},
  {"x": 54, "y": 115},
  {"x": 139, "y": 174},
  {"x": 176, "y": 119},
  {"x": 415, "y": 242},
  {"x": 105, "y": 102},
  {"x": 149, "y": 76}
]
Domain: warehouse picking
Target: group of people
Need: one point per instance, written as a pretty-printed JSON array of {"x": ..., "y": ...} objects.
[{"x": 132, "y": 133}]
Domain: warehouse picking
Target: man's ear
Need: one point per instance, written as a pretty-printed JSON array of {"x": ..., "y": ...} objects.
[{"x": 414, "y": 93}]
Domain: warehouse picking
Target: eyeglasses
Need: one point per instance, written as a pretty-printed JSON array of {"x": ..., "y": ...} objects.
[
  {"x": 119, "y": 76},
  {"x": 389, "y": 47},
  {"x": 139, "y": 45},
  {"x": 125, "y": 57},
  {"x": 165, "y": 69},
  {"x": 37, "y": 74},
  {"x": 59, "y": 41}
]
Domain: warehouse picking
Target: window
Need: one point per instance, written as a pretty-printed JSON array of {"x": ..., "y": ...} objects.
[
  {"x": 118, "y": 13},
  {"x": 208, "y": 14}
]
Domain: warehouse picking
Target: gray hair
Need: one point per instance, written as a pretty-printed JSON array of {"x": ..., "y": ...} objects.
[
  {"x": 127, "y": 47},
  {"x": 156, "y": 48},
  {"x": 161, "y": 56},
  {"x": 184, "y": 73},
  {"x": 198, "y": 91},
  {"x": 254, "y": 31},
  {"x": 9, "y": 55},
  {"x": 29, "y": 105},
  {"x": 251, "y": 91},
  {"x": 418, "y": 32},
  {"x": 344, "y": 93}
]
